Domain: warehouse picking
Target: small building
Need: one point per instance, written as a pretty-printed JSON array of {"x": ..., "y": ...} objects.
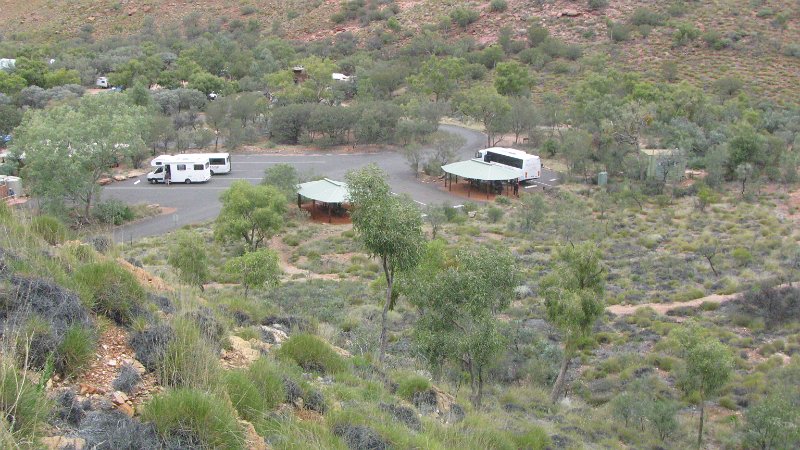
[
  {"x": 299, "y": 74},
  {"x": 668, "y": 164}
]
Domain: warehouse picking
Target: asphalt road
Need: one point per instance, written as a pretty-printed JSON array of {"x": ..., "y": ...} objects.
[{"x": 197, "y": 203}]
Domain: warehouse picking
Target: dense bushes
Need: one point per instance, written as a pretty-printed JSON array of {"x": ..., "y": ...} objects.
[
  {"x": 189, "y": 418},
  {"x": 110, "y": 290},
  {"x": 312, "y": 354},
  {"x": 112, "y": 212}
]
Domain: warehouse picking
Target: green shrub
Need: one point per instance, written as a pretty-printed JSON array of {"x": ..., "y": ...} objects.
[
  {"x": 112, "y": 212},
  {"x": 411, "y": 383},
  {"x": 742, "y": 256},
  {"x": 494, "y": 214},
  {"x": 620, "y": 32},
  {"x": 76, "y": 350},
  {"x": 645, "y": 16},
  {"x": 197, "y": 416},
  {"x": 597, "y": 4},
  {"x": 244, "y": 396},
  {"x": 189, "y": 359},
  {"x": 685, "y": 33},
  {"x": 498, "y": 5},
  {"x": 312, "y": 354},
  {"x": 110, "y": 290},
  {"x": 269, "y": 382},
  {"x": 50, "y": 229},
  {"x": 24, "y": 407},
  {"x": 464, "y": 16}
]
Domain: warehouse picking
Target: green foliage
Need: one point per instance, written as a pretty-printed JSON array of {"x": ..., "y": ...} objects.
[
  {"x": 708, "y": 365},
  {"x": 458, "y": 302},
  {"x": 190, "y": 360},
  {"x": 464, "y": 16},
  {"x": 409, "y": 384},
  {"x": 645, "y": 16},
  {"x": 196, "y": 415},
  {"x": 187, "y": 254},
  {"x": 742, "y": 256},
  {"x": 685, "y": 33},
  {"x": 110, "y": 290},
  {"x": 50, "y": 229},
  {"x": 256, "y": 390},
  {"x": 498, "y": 5},
  {"x": 25, "y": 409},
  {"x": 597, "y": 4},
  {"x": 71, "y": 146},
  {"x": 574, "y": 298},
  {"x": 284, "y": 177},
  {"x": 112, "y": 212},
  {"x": 620, "y": 32},
  {"x": 312, "y": 354},
  {"x": 76, "y": 350},
  {"x": 537, "y": 34},
  {"x": 512, "y": 79},
  {"x": 252, "y": 213},
  {"x": 255, "y": 269},
  {"x": 774, "y": 422},
  {"x": 494, "y": 214}
]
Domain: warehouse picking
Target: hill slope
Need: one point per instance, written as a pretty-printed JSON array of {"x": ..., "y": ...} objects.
[{"x": 751, "y": 40}]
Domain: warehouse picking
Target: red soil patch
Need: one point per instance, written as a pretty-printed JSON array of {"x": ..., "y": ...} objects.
[
  {"x": 462, "y": 189},
  {"x": 319, "y": 214}
]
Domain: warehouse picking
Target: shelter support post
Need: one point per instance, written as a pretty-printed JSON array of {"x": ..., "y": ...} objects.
[{"x": 299, "y": 202}]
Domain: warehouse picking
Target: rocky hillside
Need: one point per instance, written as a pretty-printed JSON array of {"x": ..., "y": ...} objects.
[{"x": 701, "y": 42}]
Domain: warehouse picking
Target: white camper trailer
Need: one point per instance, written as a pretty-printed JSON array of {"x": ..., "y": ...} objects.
[
  {"x": 180, "y": 169},
  {"x": 102, "y": 82},
  {"x": 218, "y": 162},
  {"x": 531, "y": 165}
]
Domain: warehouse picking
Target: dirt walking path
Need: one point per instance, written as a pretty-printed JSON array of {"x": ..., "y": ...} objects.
[{"x": 663, "y": 308}]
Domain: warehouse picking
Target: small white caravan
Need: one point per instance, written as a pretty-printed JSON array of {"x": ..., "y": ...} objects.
[
  {"x": 531, "y": 165},
  {"x": 181, "y": 169}
]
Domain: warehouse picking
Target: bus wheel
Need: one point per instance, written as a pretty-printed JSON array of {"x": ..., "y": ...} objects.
[{"x": 188, "y": 181}]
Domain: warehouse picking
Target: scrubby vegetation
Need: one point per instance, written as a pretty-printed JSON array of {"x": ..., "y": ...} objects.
[{"x": 643, "y": 298}]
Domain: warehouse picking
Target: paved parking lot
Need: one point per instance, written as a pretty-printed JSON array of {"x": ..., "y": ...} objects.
[{"x": 197, "y": 203}]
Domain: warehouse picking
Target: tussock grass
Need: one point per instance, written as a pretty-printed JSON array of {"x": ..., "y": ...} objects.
[
  {"x": 312, "y": 354},
  {"x": 190, "y": 417}
]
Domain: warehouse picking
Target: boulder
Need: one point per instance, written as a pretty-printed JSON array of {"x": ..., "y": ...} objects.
[
  {"x": 253, "y": 440},
  {"x": 59, "y": 442}
]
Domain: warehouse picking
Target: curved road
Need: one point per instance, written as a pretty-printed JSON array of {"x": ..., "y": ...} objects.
[{"x": 197, "y": 203}]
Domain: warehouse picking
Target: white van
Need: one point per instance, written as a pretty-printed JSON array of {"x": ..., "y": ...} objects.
[
  {"x": 218, "y": 162},
  {"x": 531, "y": 165},
  {"x": 180, "y": 169},
  {"x": 102, "y": 82}
]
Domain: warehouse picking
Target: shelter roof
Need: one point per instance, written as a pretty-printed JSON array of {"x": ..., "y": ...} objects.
[
  {"x": 324, "y": 190},
  {"x": 480, "y": 170}
]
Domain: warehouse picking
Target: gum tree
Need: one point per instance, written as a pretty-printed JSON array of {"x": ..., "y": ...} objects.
[
  {"x": 252, "y": 213},
  {"x": 573, "y": 294},
  {"x": 188, "y": 256},
  {"x": 68, "y": 148},
  {"x": 458, "y": 298},
  {"x": 390, "y": 228},
  {"x": 707, "y": 366}
]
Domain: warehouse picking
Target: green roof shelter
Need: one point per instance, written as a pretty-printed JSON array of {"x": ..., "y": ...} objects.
[
  {"x": 330, "y": 192},
  {"x": 478, "y": 171}
]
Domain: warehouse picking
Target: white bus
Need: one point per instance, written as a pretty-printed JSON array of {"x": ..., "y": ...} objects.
[
  {"x": 181, "y": 169},
  {"x": 531, "y": 165},
  {"x": 218, "y": 162}
]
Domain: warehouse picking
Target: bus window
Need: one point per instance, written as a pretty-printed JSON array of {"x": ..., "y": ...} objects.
[{"x": 217, "y": 161}]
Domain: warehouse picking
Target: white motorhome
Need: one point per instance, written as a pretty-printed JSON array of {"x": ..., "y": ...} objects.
[
  {"x": 102, "y": 82},
  {"x": 531, "y": 165},
  {"x": 181, "y": 169},
  {"x": 218, "y": 162}
]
